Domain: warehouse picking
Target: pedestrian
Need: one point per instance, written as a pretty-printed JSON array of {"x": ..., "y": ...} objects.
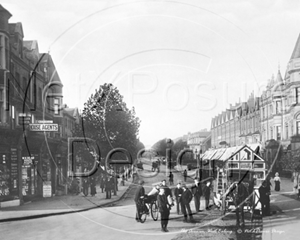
[
  {"x": 197, "y": 193},
  {"x": 171, "y": 178},
  {"x": 277, "y": 182},
  {"x": 139, "y": 200},
  {"x": 218, "y": 200},
  {"x": 186, "y": 198},
  {"x": 264, "y": 197},
  {"x": 123, "y": 180},
  {"x": 102, "y": 183},
  {"x": 108, "y": 187},
  {"x": 168, "y": 191},
  {"x": 206, "y": 193},
  {"x": 164, "y": 209},
  {"x": 185, "y": 174},
  {"x": 93, "y": 186},
  {"x": 116, "y": 181},
  {"x": 178, "y": 193},
  {"x": 298, "y": 187},
  {"x": 296, "y": 177}
]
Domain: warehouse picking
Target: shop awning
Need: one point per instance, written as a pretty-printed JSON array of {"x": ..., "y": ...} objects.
[
  {"x": 219, "y": 153},
  {"x": 209, "y": 154}
]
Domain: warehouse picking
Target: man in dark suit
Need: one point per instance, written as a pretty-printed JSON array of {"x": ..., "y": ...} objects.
[
  {"x": 178, "y": 193},
  {"x": 186, "y": 198},
  {"x": 108, "y": 187},
  {"x": 168, "y": 191},
  {"x": 138, "y": 198},
  {"x": 164, "y": 209},
  {"x": 264, "y": 197},
  {"x": 197, "y": 193}
]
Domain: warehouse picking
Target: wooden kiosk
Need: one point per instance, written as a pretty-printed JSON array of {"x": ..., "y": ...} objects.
[{"x": 236, "y": 164}]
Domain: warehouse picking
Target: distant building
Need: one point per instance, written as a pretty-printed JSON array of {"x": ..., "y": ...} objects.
[
  {"x": 195, "y": 140},
  {"x": 238, "y": 125},
  {"x": 273, "y": 115}
]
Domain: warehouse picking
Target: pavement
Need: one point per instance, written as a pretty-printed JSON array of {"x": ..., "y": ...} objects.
[
  {"x": 285, "y": 219},
  {"x": 58, "y": 205}
]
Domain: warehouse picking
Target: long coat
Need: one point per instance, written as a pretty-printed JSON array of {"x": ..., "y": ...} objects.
[
  {"x": 197, "y": 190},
  {"x": 162, "y": 202},
  {"x": 139, "y": 193},
  {"x": 186, "y": 197}
]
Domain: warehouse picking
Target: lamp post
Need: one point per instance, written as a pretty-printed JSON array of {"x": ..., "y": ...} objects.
[{"x": 168, "y": 156}]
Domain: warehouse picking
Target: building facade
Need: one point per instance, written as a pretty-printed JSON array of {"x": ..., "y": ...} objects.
[
  {"x": 238, "y": 125},
  {"x": 273, "y": 115},
  {"x": 196, "y": 140},
  {"x": 30, "y": 95}
]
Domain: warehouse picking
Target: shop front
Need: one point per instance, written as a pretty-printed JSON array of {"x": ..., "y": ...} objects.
[{"x": 29, "y": 175}]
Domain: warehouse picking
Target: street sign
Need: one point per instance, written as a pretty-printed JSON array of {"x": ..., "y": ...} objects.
[{"x": 43, "y": 127}]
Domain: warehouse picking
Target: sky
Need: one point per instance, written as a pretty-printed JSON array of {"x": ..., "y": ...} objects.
[{"x": 179, "y": 63}]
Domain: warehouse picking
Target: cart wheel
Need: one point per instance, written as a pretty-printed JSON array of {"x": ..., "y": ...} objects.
[{"x": 154, "y": 211}]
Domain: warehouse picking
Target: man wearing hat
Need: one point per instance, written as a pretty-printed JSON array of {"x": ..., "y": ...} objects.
[
  {"x": 197, "y": 192},
  {"x": 178, "y": 193},
  {"x": 139, "y": 195},
  {"x": 186, "y": 198},
  {"x": 168, "y": 191}
]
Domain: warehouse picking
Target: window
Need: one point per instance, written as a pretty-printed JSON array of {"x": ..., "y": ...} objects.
[
  {"x": 18, "y": 84},
  {"x": 298, "y": 95},
  {"x": 298, "y": 127},
  {"x": 278, "y": 107},
  {"x": 278, "y": 132},
  {"x": 287, "y": 131},
  {"x": 56, "y": 106},
  {"x": 20, "y": 48},
  {"x": 1, "y": 105},
  {"x": 271, "y": 132},
  {"x": 39, "y": 100},
  {"x": 2, "y": 52},
  {"x": 6, "y": 53}
]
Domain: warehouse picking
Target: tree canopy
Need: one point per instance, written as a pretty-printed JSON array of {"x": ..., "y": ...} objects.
[{"x": 107, "y": 120}]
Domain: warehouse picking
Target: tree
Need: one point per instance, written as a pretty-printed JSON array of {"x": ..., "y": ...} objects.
[
  {"x": 107, "y": 120},
  {"x": 180, "y": 145}
]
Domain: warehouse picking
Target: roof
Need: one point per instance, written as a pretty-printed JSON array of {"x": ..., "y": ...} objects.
[
  {"x": 296, "y": 52},
  {"x": 2, "y": 9},
  {"x": 73, "y": 112},
  {"x": 225, "y": 154},
  {"x": 16, "y": 28}
]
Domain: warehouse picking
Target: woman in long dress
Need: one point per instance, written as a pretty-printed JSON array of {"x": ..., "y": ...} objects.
[{"x": 277, "y": 182}]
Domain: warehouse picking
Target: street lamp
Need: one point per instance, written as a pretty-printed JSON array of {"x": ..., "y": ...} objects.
[{"x": 168, "y": 155}]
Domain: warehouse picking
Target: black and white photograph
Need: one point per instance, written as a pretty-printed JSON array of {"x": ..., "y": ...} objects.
[{"x": 149, "y": 119}]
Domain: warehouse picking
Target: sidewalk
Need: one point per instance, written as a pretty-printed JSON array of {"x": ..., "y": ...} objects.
[{"x": 58, "y": 205}]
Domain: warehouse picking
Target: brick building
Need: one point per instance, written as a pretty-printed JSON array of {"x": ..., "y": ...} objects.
[
  {"x": 274, "y": 115},
  {"x": 30, "y": 93}
]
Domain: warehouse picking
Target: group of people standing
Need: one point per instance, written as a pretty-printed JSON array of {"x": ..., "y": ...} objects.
[{"x": 165, "y": 200}]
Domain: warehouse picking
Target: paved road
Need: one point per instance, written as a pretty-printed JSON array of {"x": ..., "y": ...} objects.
[
  {"x": 285, "y": 221},
  {"x": 117, "y": 221}
]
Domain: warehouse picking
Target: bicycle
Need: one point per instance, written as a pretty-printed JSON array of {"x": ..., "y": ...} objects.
[{"x": 150, "y": 203}]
